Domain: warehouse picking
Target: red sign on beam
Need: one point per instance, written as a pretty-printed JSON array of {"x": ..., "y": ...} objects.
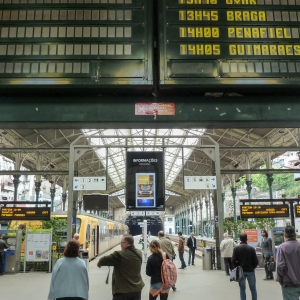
[{"x": 155, "y": 109}]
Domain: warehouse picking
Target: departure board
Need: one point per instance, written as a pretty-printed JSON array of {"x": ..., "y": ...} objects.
[
  {"x": 225, "y": 42},
  {"x": 25, "y": 213},
  {"x": 297, "y": 210},
  {"x": 264, "y": 211},
  {"x": 79, "y": 42}
]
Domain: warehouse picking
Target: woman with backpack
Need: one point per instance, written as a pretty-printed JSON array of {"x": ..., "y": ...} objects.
[{"x": 153, "y": 269}]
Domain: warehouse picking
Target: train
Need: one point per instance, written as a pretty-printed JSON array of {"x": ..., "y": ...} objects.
[{"x": 96, "y": 234}]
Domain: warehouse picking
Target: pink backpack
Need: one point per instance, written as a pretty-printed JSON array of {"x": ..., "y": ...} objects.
[{"x": 168, "y": 272}]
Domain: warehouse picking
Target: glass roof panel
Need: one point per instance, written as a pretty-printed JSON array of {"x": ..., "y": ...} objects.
[{"x": 143, "y": 140}]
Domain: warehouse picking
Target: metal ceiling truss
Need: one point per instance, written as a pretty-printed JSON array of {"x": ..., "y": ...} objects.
[{"x": 235, "y": 145}]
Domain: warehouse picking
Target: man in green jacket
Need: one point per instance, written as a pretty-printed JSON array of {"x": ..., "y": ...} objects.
[{"x": 127, "y": 283}]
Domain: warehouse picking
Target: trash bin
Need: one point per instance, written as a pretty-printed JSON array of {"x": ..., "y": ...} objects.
[
  {"x": 206, "y": 258},
  {"x": 85, "y": 258}
]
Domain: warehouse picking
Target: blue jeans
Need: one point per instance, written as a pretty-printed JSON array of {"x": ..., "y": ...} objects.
[
  {"x": 191, "y": 253},
  {"x": 252, "y": 285},
  {"x": 183, "y": 265},
  {"x": 290, "y": 293}
]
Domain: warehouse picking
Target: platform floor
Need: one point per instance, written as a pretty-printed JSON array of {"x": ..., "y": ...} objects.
[{"x": 193, "y": 283}]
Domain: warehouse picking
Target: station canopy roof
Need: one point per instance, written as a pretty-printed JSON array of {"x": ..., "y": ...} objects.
[{"x": 112, "y": 153}]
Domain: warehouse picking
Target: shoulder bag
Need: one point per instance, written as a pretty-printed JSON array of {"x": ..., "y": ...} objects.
[{"x": 237, "y": 274}]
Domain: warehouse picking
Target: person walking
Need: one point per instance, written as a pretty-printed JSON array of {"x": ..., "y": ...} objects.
[
  {"x": 226, "y": 247},
  {"x": 287, "y": 265},
  {"x": 266, "y": 249},
  {"x": 153, "y": 269},
  {"x": 191, "y": 243},
  {"x": 245, "y": 256},
  {"x": 127, "y": 283},
  {"x": 3, "y": 246},
  {"x": 181, "y": 250},
  {"x": 167, "y": 246},
  {"x": 69, "y": 276}
]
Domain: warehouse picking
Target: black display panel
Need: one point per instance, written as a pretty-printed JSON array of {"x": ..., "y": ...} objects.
[
  {"x": 214, "y": 43},
  {"x": 145, "y": 181},
  {"x": 95, "y": 202},
  {"x": 96, "y": 43},
  {"x": 25, "y": 213},
  {"x": 297, "y": 210},
  {"x": 265, "y": 211}
]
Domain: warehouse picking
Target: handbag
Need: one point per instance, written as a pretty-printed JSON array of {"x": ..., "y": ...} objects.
[
  {"x": 237, "y": 274},
  {"x": 271, "y": 266}
]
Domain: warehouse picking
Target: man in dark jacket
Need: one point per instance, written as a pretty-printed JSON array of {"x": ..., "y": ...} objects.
[
  {"x": 127, "y": 281},
  {"x": 3, "y": 246},
  {"x": 267, "y": 252},
  {"x": 245, "y": 256},
  {"x": 191, "y": 243},
  {"x": 181, "y": 250}
]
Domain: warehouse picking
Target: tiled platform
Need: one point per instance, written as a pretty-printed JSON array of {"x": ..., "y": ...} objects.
[{"x": 193, "y": 283}]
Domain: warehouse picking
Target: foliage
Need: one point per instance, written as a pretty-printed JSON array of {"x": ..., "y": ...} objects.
[
  {"x": 59, "y": 228},
  {"x": 263, "y": 223},
  {"x": 239, "y": 184},
  {"x": 283, "y": 181},
  {"x": 259, "y": 223}
]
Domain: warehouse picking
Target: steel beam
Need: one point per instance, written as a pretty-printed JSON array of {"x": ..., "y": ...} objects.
[
  {"x": 260, "y": 171},
  {"x": 18, "y": 172},
  {"x": 248, "y": 149},
  {"x": 190, "y": 112},
  {"x": 23, "y": 149}
]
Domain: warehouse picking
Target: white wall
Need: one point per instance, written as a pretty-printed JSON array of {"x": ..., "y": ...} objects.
[{"x": 169, "y": 224}]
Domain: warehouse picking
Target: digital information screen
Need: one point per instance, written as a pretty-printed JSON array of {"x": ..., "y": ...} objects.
[
  {"x": 25, "y": 213},
  {"x": 297, "y": 210},
  {"x": 145, "y": 181},
  {"x": 264, "y": 211},
  {"x": 230, "y": 38},
  {"x": 145, "y": 190}
]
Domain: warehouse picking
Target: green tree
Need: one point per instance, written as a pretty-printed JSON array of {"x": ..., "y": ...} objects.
[
  {"x": 263, "y": 223},
  {"x": 59, "y": 229},
  {"x": 259, "y": 223},
  {"x": 260, "y": 181}
]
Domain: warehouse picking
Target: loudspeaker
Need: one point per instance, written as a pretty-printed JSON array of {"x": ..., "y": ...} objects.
[{"x": 95, "y": 202}]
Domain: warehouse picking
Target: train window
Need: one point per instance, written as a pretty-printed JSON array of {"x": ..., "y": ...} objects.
[
  {"x": 78, "y": 225},
  {"x": 87, "y": 236}
]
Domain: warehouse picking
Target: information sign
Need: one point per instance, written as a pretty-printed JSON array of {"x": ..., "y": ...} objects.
[
  {"x": 25, "y": 213},
  {"x": 229, "y": 39},
  {"x": 89, "y": 183},
  {"x": 38, "y": 246},
  {"x": 200, "y": 183},
  {"x": 265, "y": 211},
  {"x": 142, "y": 213}
]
